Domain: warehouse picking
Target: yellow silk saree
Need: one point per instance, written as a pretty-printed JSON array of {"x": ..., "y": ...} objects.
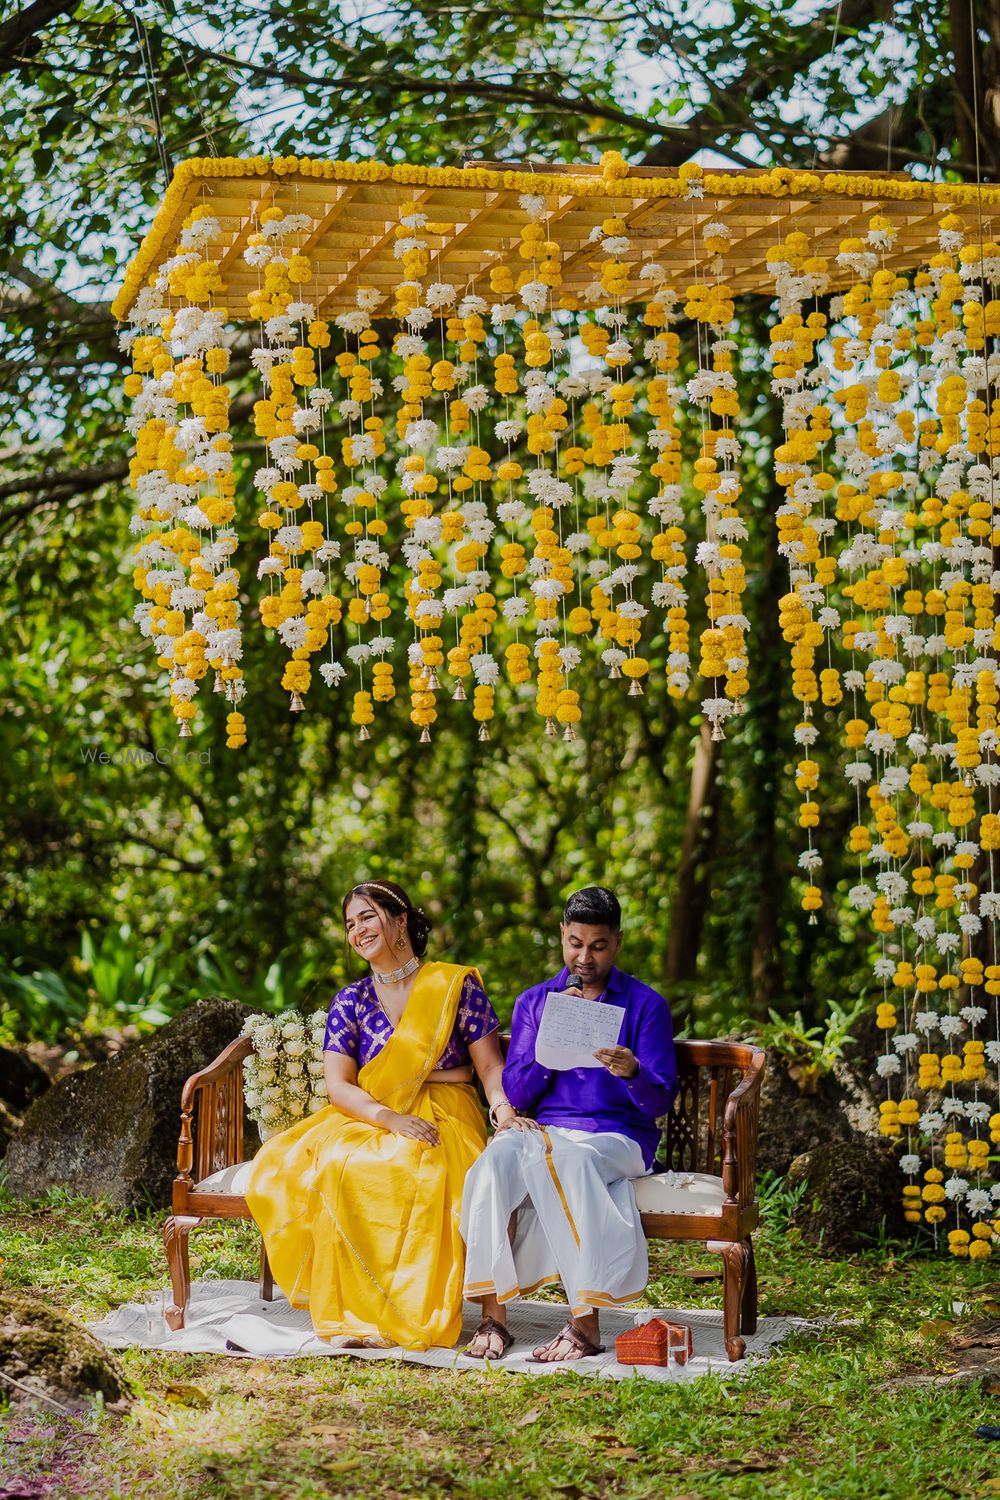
[{"x": 361, "y": 1225}]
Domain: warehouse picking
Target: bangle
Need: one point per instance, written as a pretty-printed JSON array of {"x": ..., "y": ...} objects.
[{"x": 498, "y": 1104}]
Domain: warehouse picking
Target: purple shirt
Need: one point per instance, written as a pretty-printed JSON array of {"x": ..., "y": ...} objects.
[
  {"x": 358, "y": 1027},
  {"x": 592, "y": 1098}
]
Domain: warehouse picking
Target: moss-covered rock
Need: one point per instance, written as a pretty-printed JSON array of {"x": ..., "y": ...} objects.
[
  {"x": 111, "y": 1131},
  {"x": 838, "y": 1106},
  {"x": 47, "y": 1353},
  {"x": 852, "y": 1194}
]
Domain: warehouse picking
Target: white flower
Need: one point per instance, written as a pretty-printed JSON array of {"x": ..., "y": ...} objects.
[
  {"x": 909, "y": 1165},
  {"x": 926, "y": 1021},
  {"x": 332, "y": 672},
  {"x": 978, "y": 1203},
  {"x": 956, "y": 1188},
  {"x": 439, "y": 294},
  {"x": 535, "y": 296},
  {"x": 887, "y": 1065}
]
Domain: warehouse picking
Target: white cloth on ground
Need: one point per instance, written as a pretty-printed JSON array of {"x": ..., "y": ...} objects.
[{"x": 577, "y": 1220}]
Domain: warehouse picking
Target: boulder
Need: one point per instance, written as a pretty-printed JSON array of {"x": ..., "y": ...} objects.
[
  {"x": 110, "y": 1131},
  {"x": 853, "y": 1191},
  {"x": 839, "y": 1106},
  {"x": 50, "y": 1355},
  {"x": 22, "y": 1080}
]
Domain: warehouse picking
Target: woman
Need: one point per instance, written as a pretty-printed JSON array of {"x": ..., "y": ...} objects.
[{"x": 359, "y": 1204}]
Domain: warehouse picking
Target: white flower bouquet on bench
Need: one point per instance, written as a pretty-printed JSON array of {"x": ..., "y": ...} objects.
[{"x": 283, "y": 1075}]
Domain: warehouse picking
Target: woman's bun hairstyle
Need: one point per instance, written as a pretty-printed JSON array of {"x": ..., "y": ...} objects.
[{"x": 393, "y": 899}]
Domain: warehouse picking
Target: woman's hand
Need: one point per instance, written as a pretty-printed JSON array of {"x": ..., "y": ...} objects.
[
  {"x": 507, "y": 1118},
  {"x": 414, "y": 1127}
]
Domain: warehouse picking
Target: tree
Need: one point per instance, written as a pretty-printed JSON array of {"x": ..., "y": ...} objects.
[{"x": 97, "y": 103}]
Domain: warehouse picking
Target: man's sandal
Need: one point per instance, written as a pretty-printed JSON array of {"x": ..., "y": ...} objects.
[
  {"x": 572, "y": 1336},
  {"x": 486, "y": 1327}
]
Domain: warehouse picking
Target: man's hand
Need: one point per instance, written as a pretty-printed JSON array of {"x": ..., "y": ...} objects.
[{"x": 619, "y": 1061}]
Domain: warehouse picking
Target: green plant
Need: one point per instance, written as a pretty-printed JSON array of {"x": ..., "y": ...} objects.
[
  {"x": 810, "y": 1052},
  {"x": 39, "y": 1005}
]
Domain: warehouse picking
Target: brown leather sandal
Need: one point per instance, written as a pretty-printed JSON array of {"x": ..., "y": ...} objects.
[
  {"x": 572, "y": 1336},
  {"x": 488, "y": 1326}
]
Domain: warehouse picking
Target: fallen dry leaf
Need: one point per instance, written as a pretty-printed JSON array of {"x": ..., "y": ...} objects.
[
  {"x": 528, "y": 1418},
  {"x": 934, "y": 1328},
  {"x": 183, "y": 1393},
  {"x": 342, "y": 1466},
  {"x": 621, "y": 1452}
]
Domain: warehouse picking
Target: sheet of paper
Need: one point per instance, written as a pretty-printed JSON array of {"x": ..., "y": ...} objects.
[{"x": 572, "y": 1029}]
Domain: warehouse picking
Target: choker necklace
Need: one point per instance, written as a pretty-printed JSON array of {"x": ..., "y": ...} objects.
[{"x": 396, "y": 974}]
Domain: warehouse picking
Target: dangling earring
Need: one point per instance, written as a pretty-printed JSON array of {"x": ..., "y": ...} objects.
[{"x": 401, "y": 941}]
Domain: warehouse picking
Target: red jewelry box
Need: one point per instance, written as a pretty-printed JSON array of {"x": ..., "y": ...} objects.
[{"x": 654, "y": 1342}]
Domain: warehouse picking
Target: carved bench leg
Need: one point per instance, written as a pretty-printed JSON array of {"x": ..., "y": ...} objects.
[
  {"x": 749, "y": 1318},
  {"x": 735, "y": 1262},
  {"x": 266, "y": 1278},
  {"x": 175, "y": 1242}
]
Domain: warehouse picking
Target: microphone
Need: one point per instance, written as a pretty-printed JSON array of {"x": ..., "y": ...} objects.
[{"x": 574, "y": 982}]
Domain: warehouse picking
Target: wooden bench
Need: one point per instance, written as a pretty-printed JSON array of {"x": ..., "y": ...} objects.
[{"x": 711, "y": 1130}]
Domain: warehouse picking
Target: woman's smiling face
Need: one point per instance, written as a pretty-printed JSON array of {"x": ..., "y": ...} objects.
[{"x": 366, "y": 930}]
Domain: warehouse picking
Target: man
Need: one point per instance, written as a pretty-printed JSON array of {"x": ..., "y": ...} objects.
[{"x": 555, "y": 1202}]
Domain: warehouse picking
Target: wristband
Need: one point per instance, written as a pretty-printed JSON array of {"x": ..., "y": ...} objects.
[{"x": 497, "y": 1104}]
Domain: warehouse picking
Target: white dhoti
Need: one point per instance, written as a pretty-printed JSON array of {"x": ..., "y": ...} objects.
[{"x": 577, "y": 1220}]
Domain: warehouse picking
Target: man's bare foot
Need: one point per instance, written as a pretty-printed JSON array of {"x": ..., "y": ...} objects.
[
  {"x": 369, "y": 1341},
  {"x": 491, "y": 1339},
  {"x": 577, "y": 1340}
]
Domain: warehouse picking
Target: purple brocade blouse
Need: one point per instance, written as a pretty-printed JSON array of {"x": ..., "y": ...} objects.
[{"x": 358, "y": 1027}]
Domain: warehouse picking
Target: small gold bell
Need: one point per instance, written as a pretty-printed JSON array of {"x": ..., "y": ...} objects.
[
  {"x": 227, "y": 661},
  {"x": 717, "y": 733},
  {"x": 432, "y": 680},
  {"x": 813, "y": 919},
  {"x": 614, "y": 674},
  {"x": 425, "y": 736},
  {"x": 484, "y": 732},
  {"x": 218, "y": 685},
  {"x": 569, "y": 734},
  {"x": 184, "y": 733},
  {"x": 550, "y": 728},
  {"x": 296, "y": 705},
  {"x": 363, "y": 733},
  {"x": 459, "y": 695},
  {"x": 635, "y": 688}
]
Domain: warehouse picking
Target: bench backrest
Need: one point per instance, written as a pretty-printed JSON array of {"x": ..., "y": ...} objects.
[{"x": 697, "y": 1128}]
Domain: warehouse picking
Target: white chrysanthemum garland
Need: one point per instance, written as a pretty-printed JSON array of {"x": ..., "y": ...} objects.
[{"x": 283, "y": 1076}]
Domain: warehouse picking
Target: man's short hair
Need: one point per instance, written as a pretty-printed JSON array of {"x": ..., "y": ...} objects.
[{"x": 594, "y": 907}]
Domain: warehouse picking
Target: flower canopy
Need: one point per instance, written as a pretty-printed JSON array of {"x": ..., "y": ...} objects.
[{"x": 500, "y": 439}]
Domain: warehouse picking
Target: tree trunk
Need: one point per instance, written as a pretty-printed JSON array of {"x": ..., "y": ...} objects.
[
  {"x": 687, "y": 913},
  {"x": 977, "y": 81}
]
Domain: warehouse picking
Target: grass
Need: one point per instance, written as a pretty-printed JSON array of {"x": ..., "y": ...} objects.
[{"x": 834, "y": 1413}]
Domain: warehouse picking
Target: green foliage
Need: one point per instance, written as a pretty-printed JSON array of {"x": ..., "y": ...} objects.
[
  {"x": 810, "y": 1052},
  {"x": 227, "y": 873}
]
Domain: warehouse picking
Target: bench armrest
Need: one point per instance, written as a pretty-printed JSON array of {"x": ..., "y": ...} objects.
[
  {"x": 218, "y": 1092},
  {"x": 739, "y": 1135}
]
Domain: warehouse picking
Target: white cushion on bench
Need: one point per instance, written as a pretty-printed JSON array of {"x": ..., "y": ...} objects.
[
  {"x": 659, "y": 1193},
  {"x": 226, "y": 1180},
  {"x": 679, "y": 1193}
]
